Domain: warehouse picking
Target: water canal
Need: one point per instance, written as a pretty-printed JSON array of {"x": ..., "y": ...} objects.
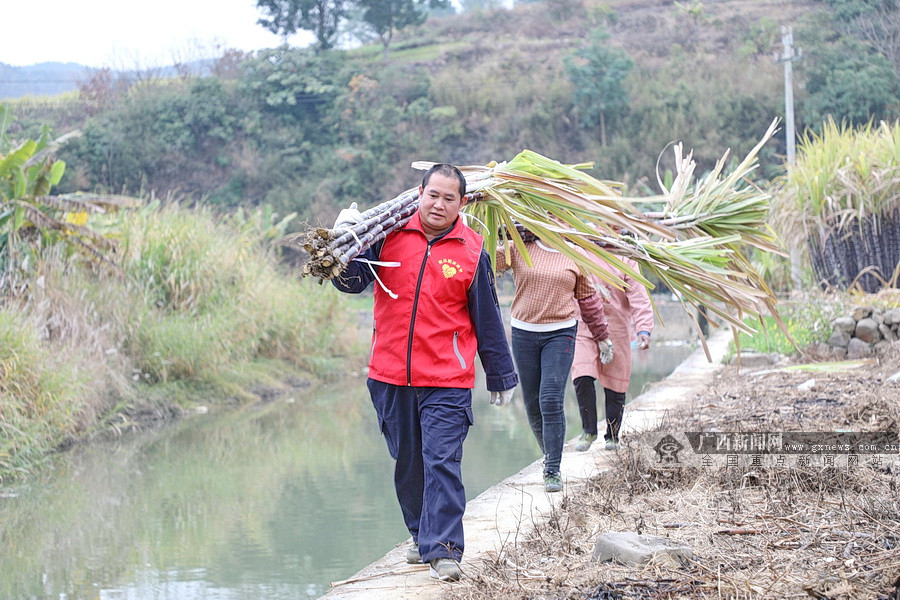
[{"x": 261, "y": 503}]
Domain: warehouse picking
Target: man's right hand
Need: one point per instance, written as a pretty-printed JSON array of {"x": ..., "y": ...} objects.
[{"x": 348, "y": 217}]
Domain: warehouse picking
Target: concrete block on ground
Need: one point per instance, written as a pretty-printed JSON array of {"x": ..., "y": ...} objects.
[
  {"x": 631, "y": 549},
  {"x": 753, "y": 360}
]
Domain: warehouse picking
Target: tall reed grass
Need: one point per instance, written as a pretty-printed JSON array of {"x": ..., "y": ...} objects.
[
  {"x": 201, "y": 297},
  {"x": 213, "y": 295}
]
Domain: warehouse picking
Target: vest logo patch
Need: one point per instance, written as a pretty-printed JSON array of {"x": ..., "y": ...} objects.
[{"x": 449, "y": 267}]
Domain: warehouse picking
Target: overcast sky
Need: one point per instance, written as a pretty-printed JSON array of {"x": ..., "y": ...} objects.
[{"x": 129, "y": 33}]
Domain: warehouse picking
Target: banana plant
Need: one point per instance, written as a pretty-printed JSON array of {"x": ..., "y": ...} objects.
[{"x": 31, "y": 218}]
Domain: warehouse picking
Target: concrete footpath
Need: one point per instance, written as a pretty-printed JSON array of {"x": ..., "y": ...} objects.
[{"x": 506, "y": 512}]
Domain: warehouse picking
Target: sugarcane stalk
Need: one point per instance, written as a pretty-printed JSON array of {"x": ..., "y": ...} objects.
[
  {"x": 390, "y": 219},
  {"x": 345, "y": 252},
  {"x": 403, "y": 203},
  {"x": 370, "y": 240},
  {"x": 326, "y": 247},
  {"x": 331, "y": 250}
]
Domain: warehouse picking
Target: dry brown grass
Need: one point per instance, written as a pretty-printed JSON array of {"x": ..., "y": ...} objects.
[
  {"x": 69, "y": 316},
  {"x": 764, "y": 532}
]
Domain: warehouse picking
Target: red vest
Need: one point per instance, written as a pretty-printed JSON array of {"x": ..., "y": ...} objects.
[{"x": 425, "y": 336}]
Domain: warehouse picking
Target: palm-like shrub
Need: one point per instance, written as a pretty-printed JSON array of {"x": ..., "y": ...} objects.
[{"x": 31, "y": 218}]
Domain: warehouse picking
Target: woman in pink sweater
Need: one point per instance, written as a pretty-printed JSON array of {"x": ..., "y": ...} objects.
[
  {"x": 630, "y": 315},
  {"x": 544, "y": 318}
]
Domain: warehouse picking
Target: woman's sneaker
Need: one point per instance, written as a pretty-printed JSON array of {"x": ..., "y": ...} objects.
[
  {"x": 553, "y": 482},
  {"x": 612, "y": 445},
  {"x": 584, "y": 441},
  {"x": 412, "y": 555},
  {"x": 445, "y": 569}
]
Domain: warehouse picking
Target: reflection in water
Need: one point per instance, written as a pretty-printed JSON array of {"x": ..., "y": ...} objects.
[{"x": 267, "y": 502}]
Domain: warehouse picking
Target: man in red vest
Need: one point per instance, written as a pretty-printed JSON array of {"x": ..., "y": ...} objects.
[{"x": 435, "y": 307}]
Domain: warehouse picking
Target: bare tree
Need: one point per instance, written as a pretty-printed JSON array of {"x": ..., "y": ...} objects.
[
  {"x": 101, "y": 90},
  {"x": 880, "y": 27},
  {"x": 135, "y": 68},
  {"x": 227, "y": 64},
  {"x": 196, "y": 57}
]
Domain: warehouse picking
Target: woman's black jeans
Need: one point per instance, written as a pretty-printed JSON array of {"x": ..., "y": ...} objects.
[
  {"x": 587, "y": 407},
  {"x": 544, "y": 360}
]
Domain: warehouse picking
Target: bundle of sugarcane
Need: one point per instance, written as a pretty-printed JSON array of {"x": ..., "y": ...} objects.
[
  {"x": 692, "y": 245},
  {"x": 331, "y": 250}
]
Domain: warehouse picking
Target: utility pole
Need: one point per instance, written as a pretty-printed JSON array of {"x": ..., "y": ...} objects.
[{"x": 787, "y": 57}]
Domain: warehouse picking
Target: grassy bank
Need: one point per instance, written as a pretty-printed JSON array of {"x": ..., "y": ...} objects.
[
  {"x": 200, "y": 312},
  {"x": 808, "y": 317}
]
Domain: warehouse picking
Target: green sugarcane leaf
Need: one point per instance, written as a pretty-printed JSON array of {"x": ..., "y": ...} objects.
[
  {"x": 517, "y": 239},
  {"x": 694, "y": 244}
]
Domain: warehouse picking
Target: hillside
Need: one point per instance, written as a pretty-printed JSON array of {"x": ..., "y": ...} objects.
[
  {"x": 308, "y": 133},
  {"x": 720, "y": 59}
]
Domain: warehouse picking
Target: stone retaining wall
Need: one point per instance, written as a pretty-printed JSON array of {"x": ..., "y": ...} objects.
[{"x": 864, "y": 331}]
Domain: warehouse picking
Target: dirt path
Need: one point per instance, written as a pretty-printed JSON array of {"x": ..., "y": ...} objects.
[{"x": 806, "y": 525}]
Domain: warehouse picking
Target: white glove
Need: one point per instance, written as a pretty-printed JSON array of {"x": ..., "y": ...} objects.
[
  {"x": 643, "y": 340},
  {"x": 606, "y": 351},
  {"x": 502, "y": 398},
  {"x": 348, "y": 217}
]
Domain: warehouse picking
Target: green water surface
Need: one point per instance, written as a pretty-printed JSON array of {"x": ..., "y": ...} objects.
[{"x": 261, "y": 503}]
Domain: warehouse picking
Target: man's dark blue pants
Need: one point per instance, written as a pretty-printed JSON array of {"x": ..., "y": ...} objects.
[{"x": 425, "y": 428}]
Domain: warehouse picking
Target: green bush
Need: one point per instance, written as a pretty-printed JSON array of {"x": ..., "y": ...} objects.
[
  {"x": 202, "y": 309},
  {"x": 183, "y": 259},
  {"x": 808, "y": 321},
  {"x": 180, "y": 346}
]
